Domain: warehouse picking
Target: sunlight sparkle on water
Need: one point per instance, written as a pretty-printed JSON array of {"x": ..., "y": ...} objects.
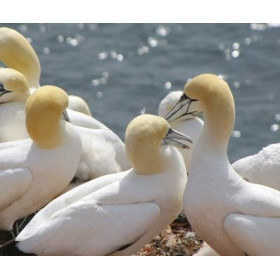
[
  {"x": 235, "y": 53},
  {"x": 222, "y": 76},
  {"x": 162, "y": 31},
  {"x": 168, "y": 85},
  {"x": 152, "y": 42},
  {"x": 95, "y": 82},
  {"x": 143, "y": 50},
  {"x": 277, "y": 117},
  {"x": 103, "y": 55},
  {"x": 117, "y": 56},
  {"x": 60, "y": 39},
  {"x": 227, "y": 54},
  {"x": 102, "y": 80},
  {"x": 236, "y": 46},
  {"x": 72, "y": 41},
  {"x": 274, "y": 127},
  {"x": 247, "y": 41},
  {"x": 236, "y": 84},
  {"x": 46, "y": 50},
  {"x": 236, "y": 134}
]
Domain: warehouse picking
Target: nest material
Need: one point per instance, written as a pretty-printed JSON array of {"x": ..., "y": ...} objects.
[{"x": 178, "y": 239}]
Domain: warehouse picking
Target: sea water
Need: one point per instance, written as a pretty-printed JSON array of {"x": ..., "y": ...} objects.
[{"x": 122, "y": 70}]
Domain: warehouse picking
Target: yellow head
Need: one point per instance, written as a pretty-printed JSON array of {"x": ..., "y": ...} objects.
[
  {"x": 142, "y": 140},
  {"x": 144, "y": 136},
  {"x": 17, "y": 53},
  {"x": 146, "y": 129},
  {"x": 216, "y": 101},
  {"x": 206, "y": 87},
  {"x": 13, "y": 86},
  {"x": 44, "y": 109}
]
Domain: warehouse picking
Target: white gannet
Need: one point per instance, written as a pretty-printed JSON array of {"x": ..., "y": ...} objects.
[
  {"x": 33, "y": 171},
  {"x": 119, "y": 213},
  {"x": 190, "y": 124},
  {"x": 103, "y": 152},
  {"x": 17, "y": 53},
  {"x": 78, "y": 104},
  {"x": 14, "y": 92},
  {"x": 233, "y": 216},
  {"x": 261, "y": 168}
]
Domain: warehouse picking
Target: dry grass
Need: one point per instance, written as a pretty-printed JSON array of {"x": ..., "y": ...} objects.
[{"x": 176, "y": 240}]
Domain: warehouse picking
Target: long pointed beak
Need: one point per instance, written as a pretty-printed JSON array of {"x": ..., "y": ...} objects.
[
  {"x": 181, "y": 108},
  {"x": 65, "y": 116},
  {"x": 176, "y": 139}
]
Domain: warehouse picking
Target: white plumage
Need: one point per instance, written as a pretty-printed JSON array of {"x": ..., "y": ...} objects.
[
  {"x": 33, "y": 171},
  {"x": 117, "y": 213},
  {"x": 14, "y": 92},
  {"x": 103, "y": 151},
  {"x": 261, "y": 168},
  {"x": 233, "y": 216}
]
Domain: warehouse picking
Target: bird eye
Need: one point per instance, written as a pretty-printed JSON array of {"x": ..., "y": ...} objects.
[{"x": 1, "y": 88}]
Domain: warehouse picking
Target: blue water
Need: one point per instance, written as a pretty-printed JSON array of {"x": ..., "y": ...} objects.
[{"x": 121, "y": 69}]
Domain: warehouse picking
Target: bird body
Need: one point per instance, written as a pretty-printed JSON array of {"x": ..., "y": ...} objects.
[
  {"x": 29, "y": 168},
  {"x": 119, "y": 213},
  {"x": 13, "y": 128},
  {"x": 223, "y": 208},
  {"x": 261, "y": 168},
  {"x": 102, "y": 153}
]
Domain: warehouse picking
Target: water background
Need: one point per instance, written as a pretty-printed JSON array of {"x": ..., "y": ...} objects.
[{"x": 123, "y": 69}]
